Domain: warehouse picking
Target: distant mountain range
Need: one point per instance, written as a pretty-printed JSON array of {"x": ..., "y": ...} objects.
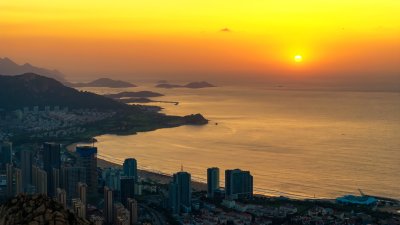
[
  {"x": 9, "y": 67},
  {"x": 105, "y": 82},
  {"x": 193, "y": 85},
  {"x": 30, "y": 89}
]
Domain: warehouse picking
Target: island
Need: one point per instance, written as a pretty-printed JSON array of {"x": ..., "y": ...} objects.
[
  {"x": 132, "y": 94},
  {"x": 193, "y": 85},
  {"x": 105, "y": 82}
]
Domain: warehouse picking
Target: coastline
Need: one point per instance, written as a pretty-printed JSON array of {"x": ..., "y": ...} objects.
[{"x": 144, "y": 174}]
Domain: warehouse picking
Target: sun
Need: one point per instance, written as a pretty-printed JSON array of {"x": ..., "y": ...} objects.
[{"x": 298, "y": 58}]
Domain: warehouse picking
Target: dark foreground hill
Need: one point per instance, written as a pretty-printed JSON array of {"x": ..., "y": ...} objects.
[
  {"x": 37, "y": 210},
  {"x": 30, "y": 90}
]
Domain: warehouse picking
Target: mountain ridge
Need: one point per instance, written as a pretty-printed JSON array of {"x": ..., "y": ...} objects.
[{"x": 9, "y": 67}]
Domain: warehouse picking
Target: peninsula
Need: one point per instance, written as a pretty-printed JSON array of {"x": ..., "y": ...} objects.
[{"x": 43, "y": 108}]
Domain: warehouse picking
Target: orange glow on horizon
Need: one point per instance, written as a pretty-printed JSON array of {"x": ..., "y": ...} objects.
[{"x": 203, "y": 37}]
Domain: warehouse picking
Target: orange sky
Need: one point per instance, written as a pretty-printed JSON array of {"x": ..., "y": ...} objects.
[{"x": 353, "y": 40}]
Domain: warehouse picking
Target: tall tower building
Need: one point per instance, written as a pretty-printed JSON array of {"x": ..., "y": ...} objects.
[
  {"x": 133, "y": 211},
  {"x": 79, "y": 208},
  {"x": 121, "y": 214},
  {"x": 87, "y": 158},
  {"x": 181, "y": 192},
  {"x": 18, "y": 181},
  {"x": 41, "y": 183},
  {"x": 212, "y": 181},
  {"x": 130, "y": 168},
  {"x": 51, "y": 159},
  {"x": 173, "y": 198},
  {"x": 127, "y": 189},
  {"x": 71, "y": 176},
  {"x": 82, "y": 189},
  {"x": 108, "y": 206},
  {"x": 35, "y": 175},
  {"x": 26, "y": 168},
  {"x": 238, "y": 184},
  {"x": 9, "y": 172},
  {"x": 55, "y": 179}
]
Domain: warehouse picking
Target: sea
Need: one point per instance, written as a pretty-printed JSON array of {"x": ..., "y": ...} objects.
[{"x": 297, "y": 143}]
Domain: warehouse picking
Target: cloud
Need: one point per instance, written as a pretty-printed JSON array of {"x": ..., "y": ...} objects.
[{"x": 225, "y": 30}]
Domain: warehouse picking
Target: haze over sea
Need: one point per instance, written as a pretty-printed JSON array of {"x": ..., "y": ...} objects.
[{"x": 296, "y": 143}]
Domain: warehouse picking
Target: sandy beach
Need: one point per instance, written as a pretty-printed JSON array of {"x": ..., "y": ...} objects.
[{"x": 143, "y": 174}]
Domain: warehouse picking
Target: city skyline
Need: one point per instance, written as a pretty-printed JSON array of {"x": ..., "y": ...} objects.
[{"x": 176, "y": 112}]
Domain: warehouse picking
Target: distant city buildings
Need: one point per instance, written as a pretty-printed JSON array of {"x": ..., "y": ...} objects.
[
  {"x": 6, "y": 154},
  {"x": 212, "y": 181},
  {"x": 111, "y": 177},
  {"x": 10, "y": 176},
  {"x": 238, "y": 184},
  {"x": 87, "y": 158}
]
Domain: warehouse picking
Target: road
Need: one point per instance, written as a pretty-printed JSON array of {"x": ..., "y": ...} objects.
[{"x": 157, "y": 217}]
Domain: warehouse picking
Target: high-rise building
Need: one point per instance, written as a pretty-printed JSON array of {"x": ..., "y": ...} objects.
[
  {"x": 82, "y": 189},
  {"x": 35, "y": 175},
  {"x": 41, "y": 185},
  {"x": 62, "y": 197},
  {"x": 212, "y": 181},
  {"x": 130, "y": 168},
  {"x": 55, "y": 179},
  {"x": 108, "y": 206},
  {"x": 173, "y": 198},
  {"x": 121, "y": 214},
  {"x": 87, "y": 158},
  {"x": 26, "y": 168},
  {"x": 79, "y": 208},
  {"x": 18, "y": 181},
  {"x": 5, "y": 154},
  {"x": 133, "y": 211},
  {"x": 127, "y": 189},
  {"x": 51, "y": 159},
  {"x": 181, "y": 192},
  {"x": 71, "y": 176},
  {"x": 238, "y": 184},
  {"x": 9, "y": 172}
]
